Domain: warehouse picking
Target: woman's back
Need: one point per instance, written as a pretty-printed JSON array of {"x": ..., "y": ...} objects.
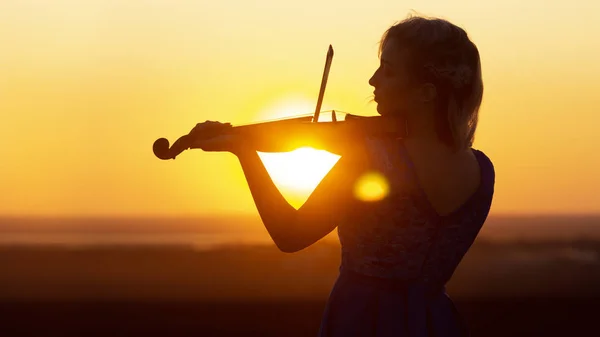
[
  {"x": 448, "y": 178},
  {"x": 428, "y": 220}
]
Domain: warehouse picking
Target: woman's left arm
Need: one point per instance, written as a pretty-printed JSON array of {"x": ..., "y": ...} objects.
[
  {"x": 278, "y": 216},
  {"x": 291, "y": 230}
]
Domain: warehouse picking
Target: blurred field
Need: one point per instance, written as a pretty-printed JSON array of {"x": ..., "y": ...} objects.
[
  {"x": 516, "y": 289},
  {"x": 516, "y": 285}
]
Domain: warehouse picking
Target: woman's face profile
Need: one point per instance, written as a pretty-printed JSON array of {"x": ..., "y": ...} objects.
[{"x": 392, "y": 92}]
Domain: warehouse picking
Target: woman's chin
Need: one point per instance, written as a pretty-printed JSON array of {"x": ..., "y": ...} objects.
[
  {"x": 388, "y": 112},
  {"x": 381, "y": 110}
]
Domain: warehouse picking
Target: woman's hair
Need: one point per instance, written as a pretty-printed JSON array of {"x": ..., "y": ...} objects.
[{"x": 441, "y": 53}]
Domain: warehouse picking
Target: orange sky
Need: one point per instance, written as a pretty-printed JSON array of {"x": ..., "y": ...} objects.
[{"x": 86, "y": 88}]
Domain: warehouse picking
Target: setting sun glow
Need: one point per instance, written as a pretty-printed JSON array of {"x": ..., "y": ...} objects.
[
  {"x": 86, "y": 87},
  {"x": 298, "y": 172}
]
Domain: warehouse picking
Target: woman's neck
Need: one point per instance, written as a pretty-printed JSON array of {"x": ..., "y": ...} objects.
[{"x": 421, "y": 129}]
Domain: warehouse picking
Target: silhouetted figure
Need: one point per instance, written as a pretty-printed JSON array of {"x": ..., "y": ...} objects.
[{"x": 398, "y": 251}]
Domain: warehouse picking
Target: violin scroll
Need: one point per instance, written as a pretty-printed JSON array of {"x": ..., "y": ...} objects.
[{"x": 163, "y": 150}]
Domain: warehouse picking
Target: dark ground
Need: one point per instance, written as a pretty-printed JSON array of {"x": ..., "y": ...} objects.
[
  {"x": 508, "y": 317},
  {"x": 501, "y": 289}
]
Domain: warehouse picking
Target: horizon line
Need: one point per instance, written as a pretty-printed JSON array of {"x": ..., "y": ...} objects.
[{"x": 252, "y": 215}]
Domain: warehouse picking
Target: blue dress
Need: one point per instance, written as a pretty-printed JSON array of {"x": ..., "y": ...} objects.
[{"x": 398, "y": 254}]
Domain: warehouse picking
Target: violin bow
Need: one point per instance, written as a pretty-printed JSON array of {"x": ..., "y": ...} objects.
[
  {"x": 163, "y": 150},
  {"x": 323, "y": 83}
]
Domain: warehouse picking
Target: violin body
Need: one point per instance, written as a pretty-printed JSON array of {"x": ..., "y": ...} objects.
[
  {"x": 290, "y": 134},
  {"x": 336, "y": 137}
]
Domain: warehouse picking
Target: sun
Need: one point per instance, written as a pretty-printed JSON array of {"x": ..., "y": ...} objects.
[
  {"x": 286, "y": 107},
  {"x": 297, "y": 173}
]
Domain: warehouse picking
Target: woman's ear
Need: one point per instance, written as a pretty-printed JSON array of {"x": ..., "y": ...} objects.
[{"x": 427, "y": 93}]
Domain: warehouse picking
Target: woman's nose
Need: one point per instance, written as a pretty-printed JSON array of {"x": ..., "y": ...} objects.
[{"x": 373, "y": 79}]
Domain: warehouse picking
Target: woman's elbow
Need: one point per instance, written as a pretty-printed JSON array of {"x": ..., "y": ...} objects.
[
  {"x": 296, "y": 241},
  {"x": 289, "y": 246},
  {"x": 286, "y": 237},
  {"x": 296, "y": 237}
]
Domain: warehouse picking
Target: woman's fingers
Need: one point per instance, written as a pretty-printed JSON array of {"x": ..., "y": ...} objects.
[{"x": 209, "y": 126}]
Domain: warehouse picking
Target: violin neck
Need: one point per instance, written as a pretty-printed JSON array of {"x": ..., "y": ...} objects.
[{"x": 246, "y": 127}]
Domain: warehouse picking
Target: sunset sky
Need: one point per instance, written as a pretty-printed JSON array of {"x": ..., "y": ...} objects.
[{"x": 87, "y": 86}]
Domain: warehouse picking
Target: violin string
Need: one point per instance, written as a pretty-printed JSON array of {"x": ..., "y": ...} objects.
[
  {"x": 335, "y": 110},
  {"x": 280, "y": 119},
  {"x": 294, "y": 117}
]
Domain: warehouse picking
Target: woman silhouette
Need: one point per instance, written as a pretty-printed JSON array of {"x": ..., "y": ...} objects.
[{"x": 398, "y": 252}]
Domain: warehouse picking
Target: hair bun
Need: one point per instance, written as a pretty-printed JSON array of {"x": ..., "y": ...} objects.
[{"x": 457, "y": 75}]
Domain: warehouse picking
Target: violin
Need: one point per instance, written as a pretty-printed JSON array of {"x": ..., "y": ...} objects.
[{"x": 287, "y": 134}]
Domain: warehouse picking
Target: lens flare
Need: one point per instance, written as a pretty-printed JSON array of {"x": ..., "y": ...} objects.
[{"x": 371, "y": 186}]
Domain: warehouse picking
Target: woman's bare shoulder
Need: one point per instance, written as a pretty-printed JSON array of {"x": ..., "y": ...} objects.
[{"x": 448, "y": 179}]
